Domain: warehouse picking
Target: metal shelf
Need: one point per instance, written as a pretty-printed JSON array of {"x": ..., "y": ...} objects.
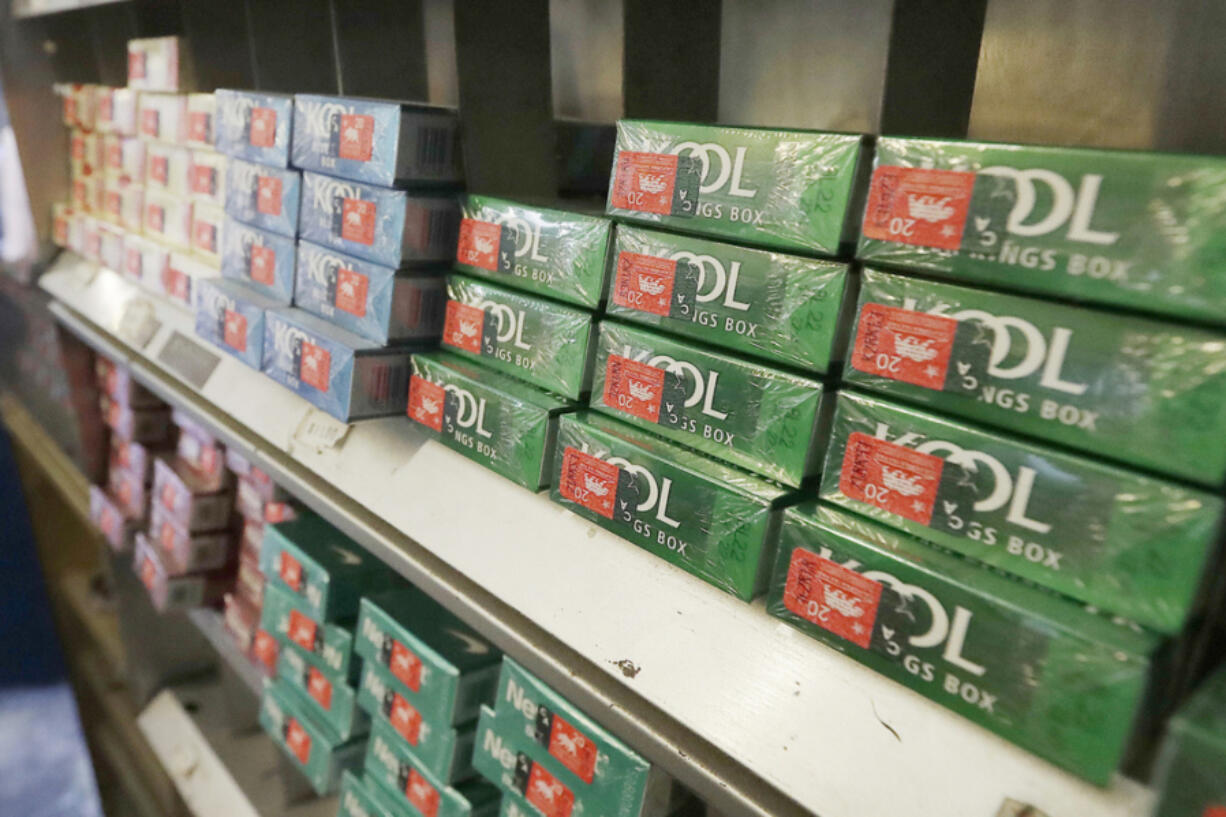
[
  {"x": 37, "y": 8},
  {"x": 753, "y": 715}
]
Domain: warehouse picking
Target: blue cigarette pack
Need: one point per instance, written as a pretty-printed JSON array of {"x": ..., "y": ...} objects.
[
  {"x": 394, "y": 228},
  {"x": 231, "y": 316},
  {"x": 263, "y": 196},
  {"x": 254, "y": 126},
  {"x": 376, "y": 141},
  {"x": 345, "y": 375},
  {"x": 378, "y": 303},
  {"x": 261, "y": 259}
]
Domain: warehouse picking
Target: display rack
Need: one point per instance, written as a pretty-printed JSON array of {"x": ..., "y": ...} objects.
[{"x": 754, "y": 716}]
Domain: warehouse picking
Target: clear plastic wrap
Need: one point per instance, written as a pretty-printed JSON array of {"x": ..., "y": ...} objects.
[
  {"x": 1140, "y": 230},
  {"x": 376, "y": 141},
  {"x": 264, "y": 197},
  {"x": 503, "y": 423},
  {"x": 1126, "y": 543},
  {"x": 739, "y": 411},
  {"x": 254, "y": 126},
  {"x": 549, "y": 252},
  {"x": 376, "y": 302},
  {"x": 1126, "y": 388},
  {"x": 542, "y": 342},
  {"x": 393, "y": 228},
  {"x": 318, "y": 752},
  {"x": 262, "y": 260},
  {"x": 774, "y": 188},
  {"x": 391, "y": 766},
  {"x": 1031, "y": 666},
  {"x": 782, "y": 307},
  {"x": 712, "y": 520},
  {"x": 1191, "y": 771}
]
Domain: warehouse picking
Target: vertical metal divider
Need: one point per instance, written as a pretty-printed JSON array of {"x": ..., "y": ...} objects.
[
  {"x": 672, "y": 59},
  {"x": 506, "y": 100},
  {"x": 931, "y": 66},
  {"x": 220, "y": 46},
  {"x": 293, "y": 50},
  {"x": 381, "y": 48}
]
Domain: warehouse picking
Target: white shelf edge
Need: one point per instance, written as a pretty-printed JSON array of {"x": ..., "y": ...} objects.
[{"x": 759, "y": 718}]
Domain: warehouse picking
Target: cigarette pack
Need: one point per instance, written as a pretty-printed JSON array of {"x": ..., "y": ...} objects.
[
  {"x": 260, "y": 259},
  {"x": 254, "y": 126}
]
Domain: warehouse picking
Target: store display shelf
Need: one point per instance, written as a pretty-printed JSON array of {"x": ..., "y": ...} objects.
[{"x": 754, "y": 716}]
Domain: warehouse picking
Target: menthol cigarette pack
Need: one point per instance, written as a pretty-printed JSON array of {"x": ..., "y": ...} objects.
[
  {"x": 1033, "y": 667},
  {"x": 201, "y": 113},
  {"x": 1191, "y": 776},
  {"x": 445, "y": 750},
  {"x": 1144, "y": 231},
  {"x": 540, "y": 341},
  {"x": 159, "y": 64},
  {"x": 166, "y": 168},
  {"x": 206, "y": 177},
  {"x": 231, "y": 316},
  {"x": 263, "y": 260},
  {"x": 345, "y": 375},
  {"x": 1126, "y": 543},
  {"x": 254, "y": 126},
  {"x": 362, "y": 797},
  {"x": 792, "y": 190},
  {"x": 332, "y": 703},
  {"x": 188, "y": 500},
  {"x": 325, "y": 645},
  {"x": 440, "y": 665},
  {"x": 324, "y": 567},
  {"x": 1146, "y": 393},
  {"x": 391, "y": 764},
  {"x": 503, "y": 423},
  {"x": 376, "y": 302},
  {"x": 394, "y": 228},
  {"x": 172, "y": 588},
  {"x": 263, "y": 196},
  {"x": 161, "y": 117},
  {"x": 376, "y": 141},
  {"x": 742, "y": 412},
  {"x": 545, "y": 251},
  {"x": 605, "y": 767},
  {"x": 317, "y": 751},
  {"x": 710, "y": 519},
  {"x": 516, "y": 763},
  {"x": 756, "y": 302}
]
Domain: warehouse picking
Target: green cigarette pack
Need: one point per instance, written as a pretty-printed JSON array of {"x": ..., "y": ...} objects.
[
  {"x": 321, "y": 565},
  {"x": 1126, "y": 543},
  {"x": 361, "y": 797},
  {"x": 788, "y": 189},
  {"x": 1138, "y": 230},
  {"x": 1146, "y": 393},
  {"x": 533, "y": 711},
  {"x": 1031, "y": 666},
  {"x": 556, "y": 253},
  {"x": 326, "y": 646},
  {"x": 505, "y": 424},
  {"x": 334, "y": 703},
  {"x": 742, "y": 412},
  {"x": 446, "y": 751},
  {"x": 516, "y": 763},
  {"x": 440, "y": 665},
  {"x": 756, "y": 302},
  {"x": 712, "y": 520},
  {"x": 542, "y": 342},
  {"x": 1191, "y": 776},
  {"x": 391, "y": 765},
  {"x": 316, "y": 750}
]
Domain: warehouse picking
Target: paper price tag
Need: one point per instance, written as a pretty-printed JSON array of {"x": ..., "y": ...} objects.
[
  {"x": 320, "y": 431},
  {"x": 137, "y": 323}
]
